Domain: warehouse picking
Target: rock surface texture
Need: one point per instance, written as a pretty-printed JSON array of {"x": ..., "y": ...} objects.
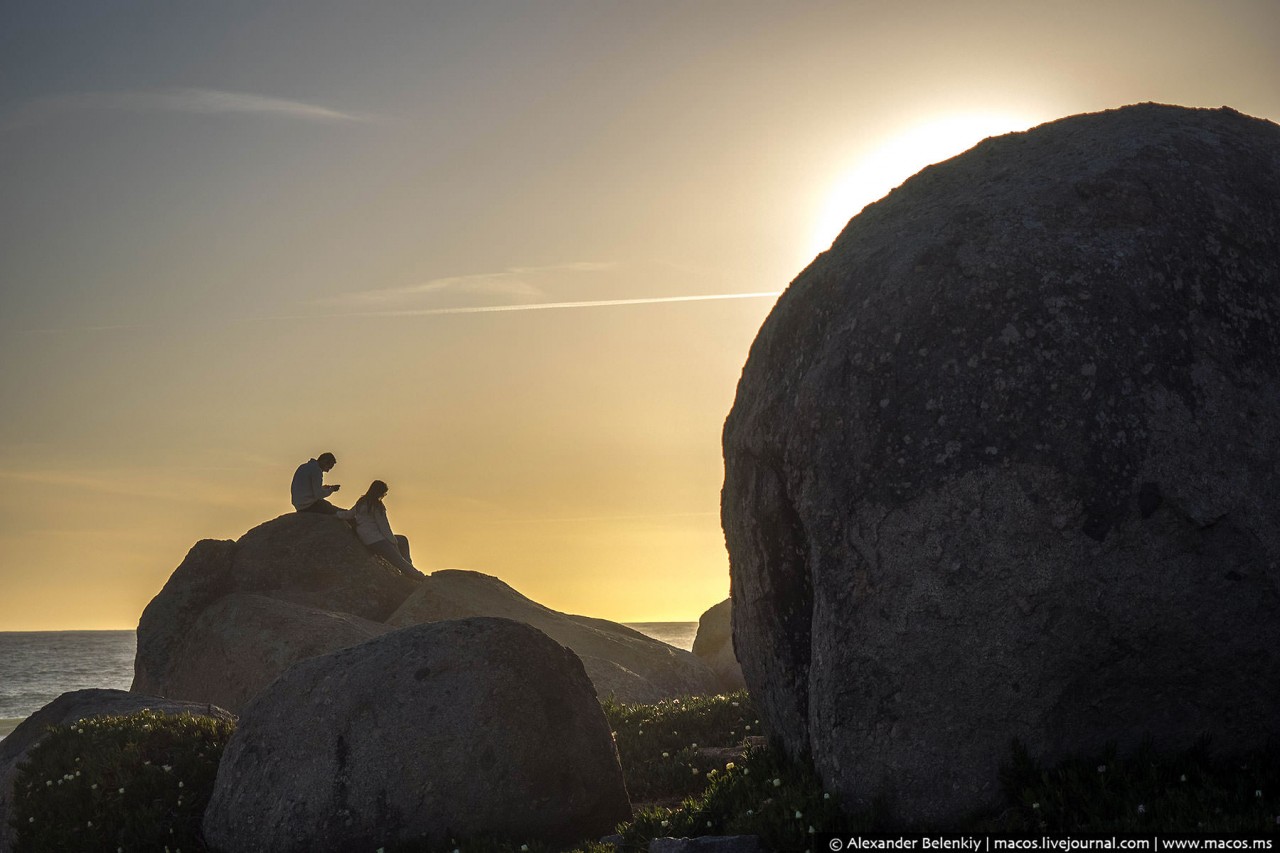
[
  {"x": 450, "y": 729},
  {"x": 714, "y": 644},
  {"x": 68, "y": 708},
  {"x": 241, "y": 643},
  {"x": 621, "y": 662},
  {"x": 1003, "y": 463},
  {"x": 313, "y": 562}
]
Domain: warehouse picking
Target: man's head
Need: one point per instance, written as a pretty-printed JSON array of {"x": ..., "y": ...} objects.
[{"x": 327, "y": 461}]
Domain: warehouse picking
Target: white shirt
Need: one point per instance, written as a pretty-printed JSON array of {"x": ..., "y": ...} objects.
[{"x": 371, "y": 522}]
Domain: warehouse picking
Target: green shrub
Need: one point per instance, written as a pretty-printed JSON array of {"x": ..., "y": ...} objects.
[
  {"x": 1184, "y": 792},
  {"x": 135, "y": 782},
  {"x": 663, "y": 747},
  {"x": 758, "y": 794}
]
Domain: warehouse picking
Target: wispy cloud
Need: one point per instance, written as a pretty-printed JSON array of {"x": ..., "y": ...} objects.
[
  {"x": 540, "y": 306},
  {"x": 202, "y": 101},
  {"x": 512, "y": 283}
]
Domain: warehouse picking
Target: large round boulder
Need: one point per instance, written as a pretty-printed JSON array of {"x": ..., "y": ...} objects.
[
  {"x": 437, "y": 731},
  {"x": 622, "y": 663},
  {"x": 307, "y": 559},
  {"x": 68, "y": 708},
  {"x": 1003, "y": 463}
]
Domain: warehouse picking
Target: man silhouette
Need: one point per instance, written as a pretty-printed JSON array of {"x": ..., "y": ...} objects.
[{"x": 309, "y": 490}]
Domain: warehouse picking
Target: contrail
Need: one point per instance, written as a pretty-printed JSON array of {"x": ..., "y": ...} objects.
[
  {"x": 433, "y": 312},
  {"x": 548, "y": 306}
]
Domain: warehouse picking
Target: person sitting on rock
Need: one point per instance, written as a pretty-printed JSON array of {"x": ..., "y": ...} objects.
[
  {"x": 309, "y": 490},
  {"x": 374, "y": 530}
]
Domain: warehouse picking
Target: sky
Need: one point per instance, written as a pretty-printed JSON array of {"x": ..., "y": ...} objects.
[{"x": 508, "y": 257}]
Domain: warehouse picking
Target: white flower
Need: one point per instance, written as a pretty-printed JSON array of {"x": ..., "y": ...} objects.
[
  {"x": 666, "y": 755},
  {"x": 798, "y": 815},
  {"x": 751, "y": 811},
  {"x": 524, "y": 846},
  {"x": 748, "y": 728},
  {"x": 708, "y": 824},
  {"x": 693, "y": 746},
  {"x": 1142, "y": 809},
  {"x": 122, "y": 790},
  {"x": 89, "y": 823},
  {"x": 735, "y": 704},
  {"x": 811, "y": 829},
  {"x": 695, "y": 771},
  {"x": 746, "y": 771},
  {"x": 777, "y": 783},
  {"x": 179, "y": 784},
  {"x": 730, "y": 766},
  {"x": 168, "y": 767},
  {"x": 1257, "y": 794},
  {"x": 48, "y": 783},
  {"x": 1102, "y": 768},
  {"x": 1184, "y": 777},
  {"x": 33, "y": 820},
  {"x": 826, "y": 796},
  {"x": 666, "y": 823},
  {"x": 1035, "y": 805},
  {"x": 94, "y": 786}
]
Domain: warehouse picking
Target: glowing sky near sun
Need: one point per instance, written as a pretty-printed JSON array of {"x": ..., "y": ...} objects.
[{"x": 507, "y": 256}]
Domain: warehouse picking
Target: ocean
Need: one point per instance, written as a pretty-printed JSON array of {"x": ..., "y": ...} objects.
[{"x": 39, "y": 666}]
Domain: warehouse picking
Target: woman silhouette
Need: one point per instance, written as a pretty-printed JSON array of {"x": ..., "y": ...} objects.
[{"x": 374, "y": 530}]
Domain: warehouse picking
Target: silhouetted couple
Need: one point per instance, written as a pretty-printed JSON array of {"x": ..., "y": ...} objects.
[{"x": 369, "y": 515}]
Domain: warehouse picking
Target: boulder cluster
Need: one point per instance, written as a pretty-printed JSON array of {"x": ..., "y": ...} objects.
[
  {"x": 235, "y": 615},
  {"x": 376, "y": 709},
  {"x": 1003, "y": 464}
]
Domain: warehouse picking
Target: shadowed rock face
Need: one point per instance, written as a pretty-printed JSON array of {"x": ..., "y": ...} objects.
[
  {"x": 67, "y": 708},
  {"x": 311, "y": 561},
  {"x": 714, "y": 645},
  {"x": 450, "y": 729},
  {"x": 1002, "y": 462},
  {"x": 622, "y": 663},
  {"x": 242, "y": 642}
]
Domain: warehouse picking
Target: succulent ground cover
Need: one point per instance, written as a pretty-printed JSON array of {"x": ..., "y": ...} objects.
[
  {"x": 694, "y": 766},
  {"x": 134, "y": 782}
]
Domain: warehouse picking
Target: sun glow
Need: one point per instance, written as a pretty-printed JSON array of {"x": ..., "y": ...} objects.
[{"x": 879, "y": 170}]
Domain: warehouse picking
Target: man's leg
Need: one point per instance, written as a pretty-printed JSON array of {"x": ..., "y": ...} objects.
[
  {"x": 322, "y": 507},
  {"x": 402, "y": 542}
]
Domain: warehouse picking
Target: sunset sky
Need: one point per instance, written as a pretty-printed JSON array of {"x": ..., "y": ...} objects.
[{"x": 235, "y": 235}]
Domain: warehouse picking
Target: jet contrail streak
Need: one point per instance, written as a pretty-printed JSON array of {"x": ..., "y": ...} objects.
[{"x": 547, "y": 306}]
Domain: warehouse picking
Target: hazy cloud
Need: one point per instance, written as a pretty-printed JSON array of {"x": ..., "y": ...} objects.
[
  {"x": 513, "y": 283},
  {"x": 203, "y": 101}
]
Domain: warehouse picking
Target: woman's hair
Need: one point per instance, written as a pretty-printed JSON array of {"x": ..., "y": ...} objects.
[{"x": 373, "y": 497}]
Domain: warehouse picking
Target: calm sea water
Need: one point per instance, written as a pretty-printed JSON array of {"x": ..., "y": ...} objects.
[{"x": 38, "y": 667}]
